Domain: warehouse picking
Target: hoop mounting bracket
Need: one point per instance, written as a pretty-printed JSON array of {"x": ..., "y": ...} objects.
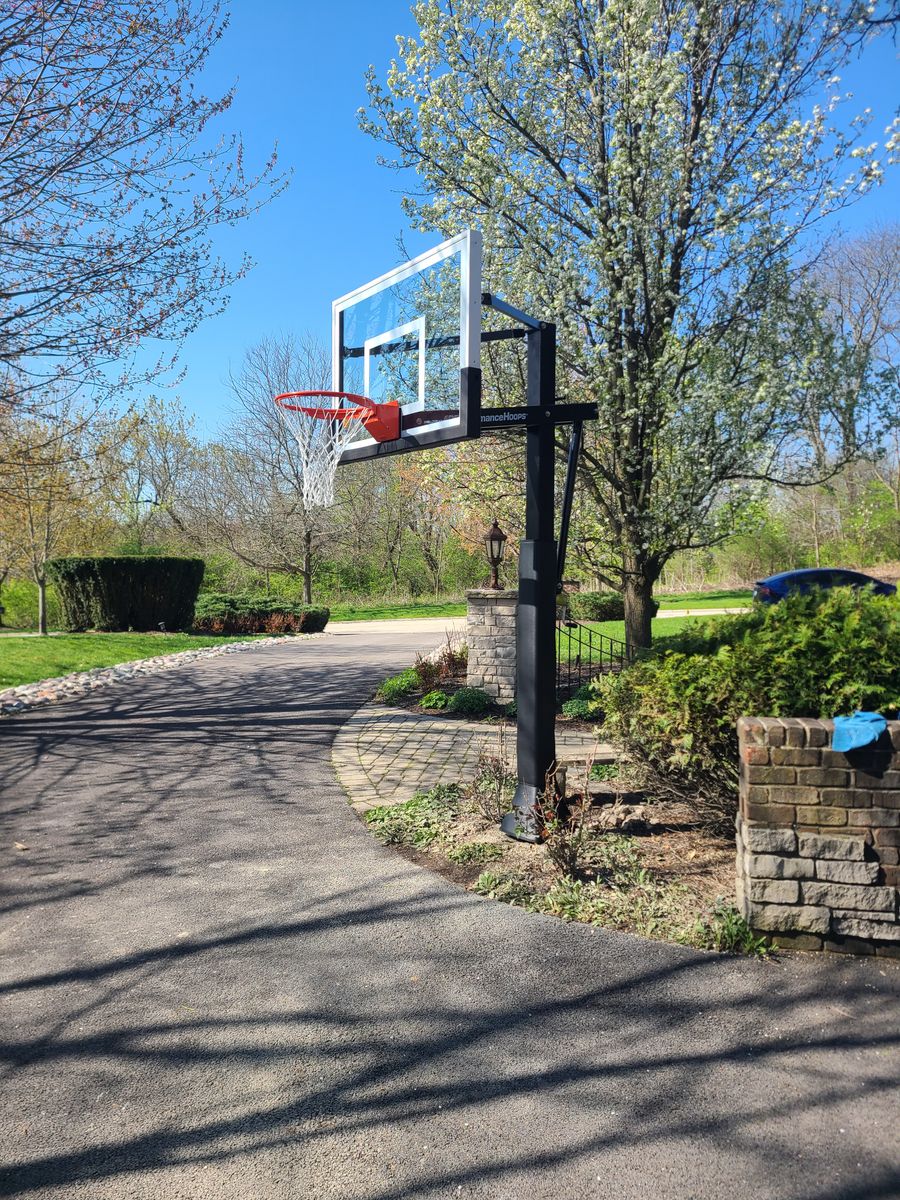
[{"x": 533, "y": 416}]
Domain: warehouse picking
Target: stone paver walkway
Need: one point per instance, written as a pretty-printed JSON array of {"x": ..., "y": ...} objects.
[{"x": 384, "y": 755}]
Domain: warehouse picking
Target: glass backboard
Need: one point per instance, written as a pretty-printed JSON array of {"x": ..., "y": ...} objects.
[{"x": 414, "y": 336}]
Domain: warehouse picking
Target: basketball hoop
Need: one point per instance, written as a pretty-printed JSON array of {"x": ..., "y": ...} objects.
[{"x": 323, "y": 431}]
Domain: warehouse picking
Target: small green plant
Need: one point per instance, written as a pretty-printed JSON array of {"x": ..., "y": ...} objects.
[
  {"x": 582, "y": 705},
  {"x": 475, "y": 853},
  {"x": 419, "y": 822},
  {"x": 511, "y": 887},
  {"x": 471, "y": 701},
  {"x": 435, "y": 699},
  {"x": 723, "y": 928},
  {"x": 511, "y": 710},
  {"x": 397, "y": 687},
  {"x": 604, "y": 772}
]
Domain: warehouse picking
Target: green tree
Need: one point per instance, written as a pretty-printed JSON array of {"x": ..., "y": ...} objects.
[
  {"x": 643, "y": 171},
  {"x": 52, "y": 472}
]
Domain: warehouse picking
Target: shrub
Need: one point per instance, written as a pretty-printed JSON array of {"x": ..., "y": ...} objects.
[
  {"x": 813, "y": 655},
  {"x": 396, "y": 687},
  {"x": 471, "y": 701},
  {"x": 428, "y": 671},
  {"x": 223, "y": 612},
  {"x": 581, "y": 705},
  {"x": 435, "y": 699},
  {"x": 134, "y": 592},
  {"x": 600, "y": 606}
]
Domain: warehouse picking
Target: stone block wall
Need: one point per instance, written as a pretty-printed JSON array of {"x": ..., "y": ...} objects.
[
  {"x": 491, "y": 639},
  {"x": 818, "y": 836}
]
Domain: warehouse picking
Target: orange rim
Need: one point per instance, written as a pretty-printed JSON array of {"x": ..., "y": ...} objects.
[
  {"x": 362, "y": 404},
  {"x": 381, "y": 421}
]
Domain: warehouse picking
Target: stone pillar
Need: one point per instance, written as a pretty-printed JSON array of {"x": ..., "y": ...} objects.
[
  {"x": 491, "y": 639},
  {"x": 818, "y": 836}
]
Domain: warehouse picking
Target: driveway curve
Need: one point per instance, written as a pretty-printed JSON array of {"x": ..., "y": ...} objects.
[{"x": 216, "y": 984}]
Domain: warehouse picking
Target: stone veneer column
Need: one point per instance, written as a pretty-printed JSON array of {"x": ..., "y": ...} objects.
[
  {"x": 491, "y": 639},
  {"x": 818, "y": 836}
]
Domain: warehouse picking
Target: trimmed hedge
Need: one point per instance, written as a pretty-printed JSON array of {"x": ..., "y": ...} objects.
[
  {"x": 599, "y": 606},
  {"x": 221, "y": 612},
  {"x": 122, "y": 593}
]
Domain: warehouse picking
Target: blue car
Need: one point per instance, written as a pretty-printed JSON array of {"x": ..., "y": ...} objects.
[{"x": 776, "y": 587}]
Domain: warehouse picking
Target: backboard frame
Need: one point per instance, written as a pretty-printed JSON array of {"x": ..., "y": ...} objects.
[{"x": 417, "y": 432}]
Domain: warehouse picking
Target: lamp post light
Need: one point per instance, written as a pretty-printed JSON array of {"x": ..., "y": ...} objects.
[{"x": 495, "y": 544}]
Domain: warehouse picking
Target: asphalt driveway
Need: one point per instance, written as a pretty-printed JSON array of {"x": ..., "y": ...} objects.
[{"x": 214, "y": 983}]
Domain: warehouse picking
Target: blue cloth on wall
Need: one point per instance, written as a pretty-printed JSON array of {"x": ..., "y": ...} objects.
[{"x": 852, "y": 733}]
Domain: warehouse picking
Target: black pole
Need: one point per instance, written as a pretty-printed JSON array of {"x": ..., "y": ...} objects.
[
  {"x": 536, "y": 621},
  {"x": 568, "y": 495}
]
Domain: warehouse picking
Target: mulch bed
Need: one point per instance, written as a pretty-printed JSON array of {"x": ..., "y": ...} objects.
[{"x": 670, "y": 844}]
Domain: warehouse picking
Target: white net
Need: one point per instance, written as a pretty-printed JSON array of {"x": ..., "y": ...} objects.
[{"x": 320, "y": 443}]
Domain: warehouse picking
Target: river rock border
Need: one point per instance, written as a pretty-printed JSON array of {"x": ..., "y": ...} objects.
[{"x": 82, "y": 683}]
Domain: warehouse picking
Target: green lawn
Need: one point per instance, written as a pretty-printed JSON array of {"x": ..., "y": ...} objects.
[
  {"x": 727, "y": 599},
  {"x": 664, "y": 629},
  {"x": 29, "y": 659},
  {"x": 388, "y": 611}
]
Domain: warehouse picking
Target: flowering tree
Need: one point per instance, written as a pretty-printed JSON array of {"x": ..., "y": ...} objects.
[
  {"x": 109, "y": 184},
  {"x": 52, "y": 474},
  {"x": 644, "y": 171}
]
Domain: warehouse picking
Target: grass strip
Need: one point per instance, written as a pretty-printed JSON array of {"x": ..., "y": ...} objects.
[{"x": 31, "y": 659}]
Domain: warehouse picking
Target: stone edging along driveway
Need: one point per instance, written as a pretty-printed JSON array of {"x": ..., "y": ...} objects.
[{"x": 82, "y": 683}]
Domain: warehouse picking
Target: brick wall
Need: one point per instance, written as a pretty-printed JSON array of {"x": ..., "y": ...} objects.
[
  {"x": 818, "y": 836},
  {"x": 491, "y": 639}
]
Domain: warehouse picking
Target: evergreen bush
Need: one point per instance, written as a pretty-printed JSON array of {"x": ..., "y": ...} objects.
[
  {"x": 470, "y": 700},
  {"x": 599, "y": 606},
  {"x": 138, "y": 592},
  {"x": 814, "y": 655},
  {"x": 222, "y": 612}
]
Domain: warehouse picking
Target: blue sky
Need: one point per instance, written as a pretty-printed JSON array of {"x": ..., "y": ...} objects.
[{"x": 299, "y": 66}]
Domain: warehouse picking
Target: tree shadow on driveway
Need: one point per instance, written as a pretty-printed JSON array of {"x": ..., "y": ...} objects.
[{"x": 215, "y": 982}]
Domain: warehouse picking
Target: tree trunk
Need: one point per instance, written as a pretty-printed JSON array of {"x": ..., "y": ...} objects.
[
  {"x": 307, "y": 567},
  {"x": 3, "y": 575},
  {"x": 42, "y": 605},
  {"x": 638, "y": 610}
]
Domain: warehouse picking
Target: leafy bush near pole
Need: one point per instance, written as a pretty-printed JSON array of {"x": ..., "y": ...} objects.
[{"x": 814, "y": 655}]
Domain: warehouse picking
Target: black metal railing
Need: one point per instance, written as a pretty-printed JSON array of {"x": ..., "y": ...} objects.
[{"x": 583, "y": 653}]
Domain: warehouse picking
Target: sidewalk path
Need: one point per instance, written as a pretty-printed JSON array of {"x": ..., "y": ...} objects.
[
  {"x": 384, "y": 755},
  {"x": 215, "y": 983}
]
